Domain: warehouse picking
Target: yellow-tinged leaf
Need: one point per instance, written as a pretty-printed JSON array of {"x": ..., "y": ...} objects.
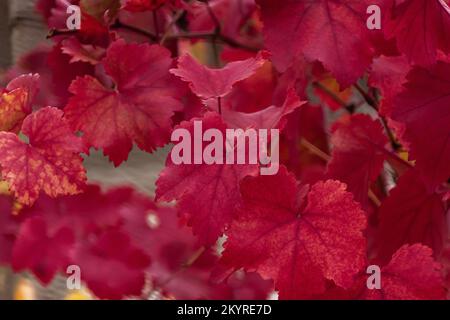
[{"x": 12, "y": 110}]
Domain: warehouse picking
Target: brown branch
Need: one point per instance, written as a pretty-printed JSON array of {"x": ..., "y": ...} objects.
[
  {"x": 119, "y": 25},
  {"x": 60, "y": 32},
  {"x": 372, "y": 102},
  {"x": 331, "y": 94},
  {"x": 392, "y": 138},
  {"x": 155, "y": 23},
  {"x": 214, "y": 36},
  {"x": 175, "y": 19},
  {"x": 186, "y": 265},
  {"x": 315, "y": 150},
  {"x": 325, "y": 157},
  {"x": 210, "y": 36},
  {"x": 349, "y": 107},
  {"x": 213, "y": 16}
]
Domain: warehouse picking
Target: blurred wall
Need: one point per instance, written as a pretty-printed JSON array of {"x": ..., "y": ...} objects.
[
  {"x": 5, "y": 40},
  {"x": 27, "y": 27}
]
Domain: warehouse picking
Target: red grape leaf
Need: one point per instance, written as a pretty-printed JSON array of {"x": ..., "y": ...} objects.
[
  {"x": 99, "y": 8},
  {"x": 145, "y": 5},
  {"x": 172, "y": 246},
  {"x": 55, "y": 11},
  {"x": 358, "y": 153},
  {"x": 215, "y": 83},
  {"x": 81, "y": 52},
  {"x": 111, "y": 265},
  {"x": 420, "y": 28},
  {"x": 42, "y": 249},
  {"x": 63, "y": 72},
  {"x": 388, "y": 74},
  {"x": 306, "y": 124},
  {"x": 13, "y": 110},
  {"x": 90, "y": 217},
  {"x": 94, "y": 14},
  {"x": 207, "y": 194},
  {"x": 411, "y": 215},
  {"x": 93, "y": 30},
  {"x": 44, "y": 7},
  {"x": 140, "y": 108},
  {"x": 29, "y": 83},
  {"x": 447, "y": 196},
  {"x": 333, "y": 32},
  {"x": 89, "y": 211},
  {"x": 297, "y": 76},
  {"x": 254, "y": 93},
  {"x": 95, "y": 210},
  {"x": 424, "y": 108},
  {"x": 230, "y": 54},
  {"x": 412, "y": 274},
  {"x": 231, "y": 14},
  {"x": 267, "y": 118},
  {"x": 36, "y": 62},
  {"x": 9, "y": 228},
  {"x": 16, "y": 102},
  {"x": 49, "y": 162},
  {"x": 294, "y": 238}
]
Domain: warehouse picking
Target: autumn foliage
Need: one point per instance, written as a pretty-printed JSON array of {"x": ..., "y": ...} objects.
[{"x": 364, "y": 179}]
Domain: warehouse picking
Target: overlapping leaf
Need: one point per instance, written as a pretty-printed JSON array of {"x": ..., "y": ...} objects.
[
  {"x": 268, "y": 118},
  {"x": 9, "y": 228},
  {"x": 112, "y": 266},
  {"x": 215, "y": 83},
  {"x": 176, "y": 248},
  {"x": 210, "y": 210},
  {"x": 420, "y": 28},
  {"x": 424, "y": 109},
  {"x": 42, "y": 249},
  {"x": 96, "y": 231},
  {"x": 388, "y": 74},
  {"x": 138, "y": 110},
  {"x": 333, "y": 32},
  {"x": 411, "y": 214},
  {"x": 412, "y": 274},
  {"x": 16, "y": 102},
  {"x": 297, "y": 236},
  {"x": 49, "y": 162},
  {"x": 358, "y": 153}
]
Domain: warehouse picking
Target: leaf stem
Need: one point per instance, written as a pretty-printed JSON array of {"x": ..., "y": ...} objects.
[
  {"x": 186, "y": 265},
  {"x": 219, "y": 104},
  {"x": 156, "y": 23},
  {"x": 59, "y": 32},
  {"x": 315, "y": 150},
  {"x": 210, "y": 36},
  {"x": 372, "y": 102},
  {"x": 119, "y": 25},
  {"x": 332, "y": 95}
]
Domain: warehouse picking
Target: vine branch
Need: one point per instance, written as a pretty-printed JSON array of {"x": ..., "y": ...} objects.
[
  {"x": 326, "y": 157},
  {"x": 372, "y": 102}
]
